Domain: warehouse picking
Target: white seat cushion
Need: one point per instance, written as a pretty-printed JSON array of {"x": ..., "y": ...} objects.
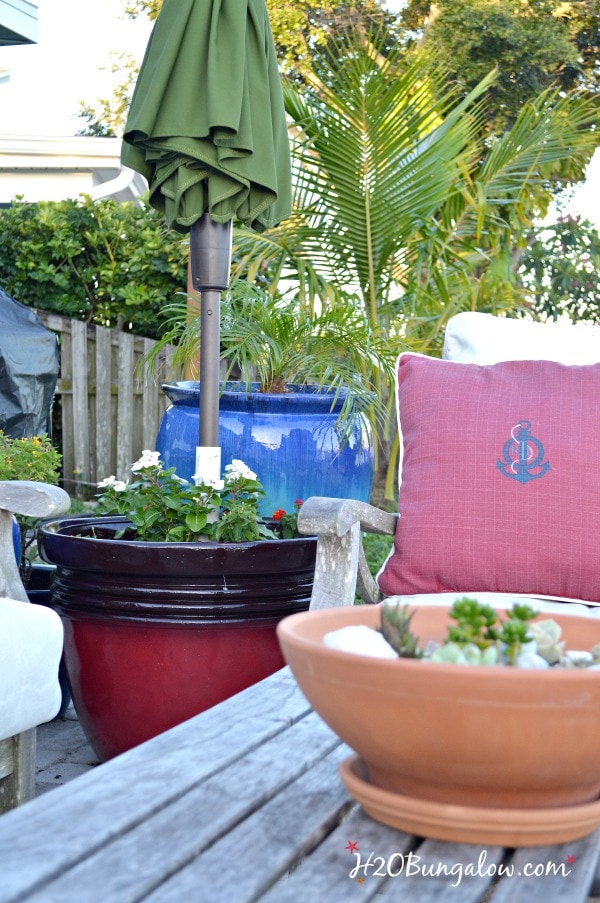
[
  {"x": 476, "y": 338},
  {"x": 31, "y": 641}
]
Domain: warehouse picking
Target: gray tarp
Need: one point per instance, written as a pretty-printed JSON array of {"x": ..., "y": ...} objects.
[{"x": 29, "y": 362}]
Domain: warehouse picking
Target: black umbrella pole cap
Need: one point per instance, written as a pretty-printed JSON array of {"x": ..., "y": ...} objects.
[{"x": 210, "y": 254}]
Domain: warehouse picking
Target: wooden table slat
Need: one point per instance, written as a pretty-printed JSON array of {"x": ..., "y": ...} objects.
[
  {"x": 326, "y": 873},
  {"x": 181, "y": 831},
  {"x": 245, "y": 862},
  {"x": 244, "y": 803},
  {"x": 449, "y": 872},
  {"x": 561, "y": 873},
  {"x": 108, "y": 801}
]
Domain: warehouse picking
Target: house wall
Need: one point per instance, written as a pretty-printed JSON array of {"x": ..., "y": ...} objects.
[{"x": 52, "y": 169}]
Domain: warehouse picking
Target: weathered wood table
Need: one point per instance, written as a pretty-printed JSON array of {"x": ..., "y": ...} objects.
[{"x": 244, "y": 803}]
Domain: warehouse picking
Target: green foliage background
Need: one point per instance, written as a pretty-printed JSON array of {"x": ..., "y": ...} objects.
[
  {"x": 560, "y": 269},
  {"x": 100, "y": 261},
  {"x": 534, "y": 44},
  {"x": 29, "y": 458}
]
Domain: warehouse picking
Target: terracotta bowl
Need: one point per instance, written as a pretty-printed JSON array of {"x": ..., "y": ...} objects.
[{"x": 460, "y": 736}]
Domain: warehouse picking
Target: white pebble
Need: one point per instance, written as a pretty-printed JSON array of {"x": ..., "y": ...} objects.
[
  {"x": 578, "y": 658},
  {"x": 530, "y": 660},
  {"x": 361, "y": 640}
]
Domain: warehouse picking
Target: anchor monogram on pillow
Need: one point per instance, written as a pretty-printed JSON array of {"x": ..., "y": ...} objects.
[{"x": 523, "y": 455}]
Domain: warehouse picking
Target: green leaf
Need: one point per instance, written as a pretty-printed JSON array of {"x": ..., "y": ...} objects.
[{"x": 196, "y": 521}]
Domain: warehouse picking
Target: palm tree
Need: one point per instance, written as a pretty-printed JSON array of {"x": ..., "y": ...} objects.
[
  {"x": 402, "y": 197},
  {"x": 469, "y": 255},
  {"x": 378, "y": 146}
]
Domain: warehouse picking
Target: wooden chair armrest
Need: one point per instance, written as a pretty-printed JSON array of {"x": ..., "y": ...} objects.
[
  {"x": 29, "y": 499},
  {"x": 32, "y": 499},
  {"x": 341, "y": 569}
]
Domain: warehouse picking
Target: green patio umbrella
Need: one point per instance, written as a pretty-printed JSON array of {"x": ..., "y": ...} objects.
[{"x": 207, "y": 129}]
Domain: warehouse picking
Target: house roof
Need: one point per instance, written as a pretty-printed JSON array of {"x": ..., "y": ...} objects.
[
  {"x": 39, "y": 168},
  {"x": 18, "y": 22}
]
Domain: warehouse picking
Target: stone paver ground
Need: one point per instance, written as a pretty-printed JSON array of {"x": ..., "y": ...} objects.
[{"x": 63, "y": 752}]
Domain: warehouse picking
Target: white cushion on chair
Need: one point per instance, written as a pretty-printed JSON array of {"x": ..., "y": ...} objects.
[
  {"x": 31, "y": 641},
  {"x": 477, "y": 338}
]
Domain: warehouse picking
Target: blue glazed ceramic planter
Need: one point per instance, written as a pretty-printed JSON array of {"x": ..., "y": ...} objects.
[
  {"x": 16, "y": 538},
  {"x": 289, "y": 440}
]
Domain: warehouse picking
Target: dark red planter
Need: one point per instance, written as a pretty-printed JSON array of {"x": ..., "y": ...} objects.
[{"x": 158, "y": 632}]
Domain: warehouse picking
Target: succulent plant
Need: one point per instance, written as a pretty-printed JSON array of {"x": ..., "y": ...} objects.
[
  {"x": 395, "y": 627},
  {"x": 468, "y": 654},
  {"x": 547, "y": 638},
  {"x": 480, "y": 636}
]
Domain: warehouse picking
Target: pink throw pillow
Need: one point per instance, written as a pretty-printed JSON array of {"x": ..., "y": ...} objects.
[{"x": 500, "y": 479}]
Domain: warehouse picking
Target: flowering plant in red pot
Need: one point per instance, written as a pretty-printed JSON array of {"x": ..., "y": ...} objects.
[
  {"x": 170, "y": 598},
  {"x": 162, "y": 507}
]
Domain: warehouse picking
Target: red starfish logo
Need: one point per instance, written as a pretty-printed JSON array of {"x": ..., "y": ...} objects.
[
  {"x": 570, "y": 860},
  {"x": 352, "y": 846}
]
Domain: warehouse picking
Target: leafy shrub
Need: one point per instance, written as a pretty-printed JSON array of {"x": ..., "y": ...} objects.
[
  {"x": 30, "y": 458},
  {"x": 560, "y": 267},
  {"x": 110, "y": 263}
]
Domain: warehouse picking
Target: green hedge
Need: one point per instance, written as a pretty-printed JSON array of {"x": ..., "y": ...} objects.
[{"x": 101, "y": 261}]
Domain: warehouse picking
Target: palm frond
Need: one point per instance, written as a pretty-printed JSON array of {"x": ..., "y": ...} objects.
[{"x": 275, "y": 341}]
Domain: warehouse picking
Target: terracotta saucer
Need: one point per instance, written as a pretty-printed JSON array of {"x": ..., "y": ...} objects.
[{"x": 468, "y": 824}]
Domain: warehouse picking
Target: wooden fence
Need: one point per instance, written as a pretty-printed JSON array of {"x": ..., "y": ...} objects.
[{"x": 110, "y": 403}]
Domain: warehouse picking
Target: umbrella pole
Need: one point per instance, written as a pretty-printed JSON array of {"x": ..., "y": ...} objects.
[{"x": 210, "y": 256}]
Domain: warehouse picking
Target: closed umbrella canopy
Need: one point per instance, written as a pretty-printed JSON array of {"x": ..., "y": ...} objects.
[
  {"x": 207, "y": 129},
  {"x": 207, "y": 124}
]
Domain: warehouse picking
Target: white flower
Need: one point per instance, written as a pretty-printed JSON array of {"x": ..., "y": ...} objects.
[
  {"x": 148, "y": 459},
  {"x": 216, "y": 484},
  {"x": 236, "y": 470},
  {"x": 107, "y": 481},
  {"x": 112, "y": 483}
]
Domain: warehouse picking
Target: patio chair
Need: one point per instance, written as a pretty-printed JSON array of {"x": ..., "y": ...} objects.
[
  {"x": 499, "y": 483},
  {"x": 31, "y": 638}
]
